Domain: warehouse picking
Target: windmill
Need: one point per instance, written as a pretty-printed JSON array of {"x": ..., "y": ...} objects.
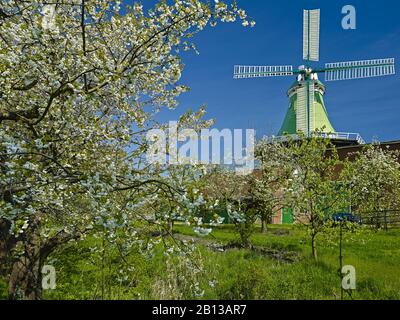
[{"x": 307, "y": 112}]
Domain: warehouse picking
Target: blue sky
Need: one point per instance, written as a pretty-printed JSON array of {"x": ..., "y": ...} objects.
[{"x": 368, "y": 106}]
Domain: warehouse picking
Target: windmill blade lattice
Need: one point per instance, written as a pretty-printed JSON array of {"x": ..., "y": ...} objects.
[
  {"x": 311, "y": 35},
  {"x": 359, "y": 69},
  {"x": 307, "y": 111},
  {"x": 244, "y": 72}
]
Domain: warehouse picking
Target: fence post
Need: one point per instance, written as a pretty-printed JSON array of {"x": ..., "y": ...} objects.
[{"x": 341, "y": 259}]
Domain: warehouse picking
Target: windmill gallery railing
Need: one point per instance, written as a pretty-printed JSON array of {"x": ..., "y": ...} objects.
[
  {"x": 334, "y": 136},
  {"x": 342, "y": 136}
]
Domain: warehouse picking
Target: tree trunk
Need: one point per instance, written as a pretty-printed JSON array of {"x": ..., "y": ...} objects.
[
  {"x": 314, "y": 246},
  {"x": 170, "y": 226},
  {"x": 263, "y": 226},
  {"x": 7, "y": 244},
  {"x": 385, "y": 221},
  {"x": 25, "y": 275},
  {"x": 25, "y": 280}
]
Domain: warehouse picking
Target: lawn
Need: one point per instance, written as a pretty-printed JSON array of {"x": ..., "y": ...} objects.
[
  {"x": 284, "y": 270},
  {"x": 245, "y": 274}
]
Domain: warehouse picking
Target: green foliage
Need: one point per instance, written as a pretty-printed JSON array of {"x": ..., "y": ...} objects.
[
  {"x": 244, "y": 224},
  {"x": 75, "y": 111},
  {"x": 245, "y": 274},
  {"x": 3, "y": 289},
  {"x": 84, "y": 273},
  {"x": 315, "y": 189},
  {"x": 76, "y": 192},
  {"x": 235, "y": 273},
  {"x": 375, "y": 181},
  {"x": 267, "y": 186},
  {"x": 232, "y": 192},
  {"x": 182, "y": 278}
]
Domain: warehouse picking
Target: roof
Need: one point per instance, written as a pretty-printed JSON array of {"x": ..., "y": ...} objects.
[{"x": 349, "y": 151}]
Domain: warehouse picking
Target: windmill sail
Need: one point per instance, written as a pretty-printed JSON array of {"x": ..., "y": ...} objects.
[
  {"x": 311, "y": 108},
  {"x": 243, "y": 72},
  {"x": 311, "y": 35},
  {"x": 305, "y": 110},
  {"x": 359, "y": 69},
  {"x": 301, "y": 110}
]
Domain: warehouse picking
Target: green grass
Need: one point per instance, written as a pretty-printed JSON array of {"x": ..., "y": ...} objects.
[
  {"x": 233, "y": 273},
  {"x": 241, "y": 273}
]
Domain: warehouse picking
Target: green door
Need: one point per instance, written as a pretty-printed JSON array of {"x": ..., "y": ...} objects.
[
  {"x": 222, "y": 212},
  {"x": 287, "y": 216}
]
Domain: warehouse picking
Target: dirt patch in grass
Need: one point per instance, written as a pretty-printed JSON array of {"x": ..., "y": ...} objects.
[
  {"x": 279, "y": 232},
  {"x": 281, "y": 255}
]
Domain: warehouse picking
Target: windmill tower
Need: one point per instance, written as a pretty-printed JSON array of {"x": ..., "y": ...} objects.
[{"x": 307, "y": 112}]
